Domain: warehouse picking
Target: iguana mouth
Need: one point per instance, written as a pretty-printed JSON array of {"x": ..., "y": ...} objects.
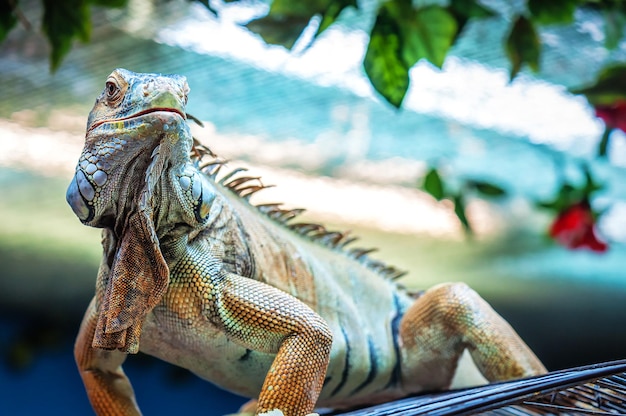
[{"x": 139, "y": 114}]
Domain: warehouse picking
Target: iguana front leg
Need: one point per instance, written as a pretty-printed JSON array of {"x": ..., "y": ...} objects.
[
  {"x": 108, "y": 388},
  {"x": 446, "y": 320},
  {"x": 263, "y": 318}
]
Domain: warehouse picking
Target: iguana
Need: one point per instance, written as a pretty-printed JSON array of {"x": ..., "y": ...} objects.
[{"x": 241, "y": 295}]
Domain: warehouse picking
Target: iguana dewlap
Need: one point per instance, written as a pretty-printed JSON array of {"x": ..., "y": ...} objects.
[{"x": 240, "y": 295}]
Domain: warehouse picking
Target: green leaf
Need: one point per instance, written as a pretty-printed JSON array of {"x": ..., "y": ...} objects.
[
  {"x": 609, "y": 87},
  {"x": 7, "y": 18},
  {"x": 614, "y": 21},
  {"x": 383, "y": 63},
  {"x": 433, "y": 184},
  {"x": 487, "y": 189},
  {"x": 279, "y": 31},
  {"x": 470, "y": 9},
  {"x": 604, "y": 142},
  {"x": 569, "y": 195},
  {"x": 332, "y": 12},
  {"x": 208, "y": 6},
  {"x": 523, "y": 46},
  {"x": 62, "y": 22},
  {"x": 116, "y": 3},
  {"x": 427, "y": 33},
  {"x": 286, "y": 19},
  {"x": 463, "y": 10},
  {"x": 400, "y": 37},
  {"x": 553, "y": 11},
  {"x": 304, "y": 8},
  {"x": 591, "y": 185},
  {"x": 566, "y": 196},
  {"x": 459, "y": 210}
]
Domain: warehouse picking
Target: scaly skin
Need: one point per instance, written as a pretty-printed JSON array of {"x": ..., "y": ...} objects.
[{"x": 195, "y": 275}]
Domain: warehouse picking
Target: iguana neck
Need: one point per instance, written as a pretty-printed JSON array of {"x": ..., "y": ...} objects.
[{"x": 158, "y": 194}]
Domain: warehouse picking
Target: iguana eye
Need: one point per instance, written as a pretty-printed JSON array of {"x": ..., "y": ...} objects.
[{"x": 112, "y": 91}]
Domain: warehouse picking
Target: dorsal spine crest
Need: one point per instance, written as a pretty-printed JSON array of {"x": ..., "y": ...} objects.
[{"x": 246, "y": 186}]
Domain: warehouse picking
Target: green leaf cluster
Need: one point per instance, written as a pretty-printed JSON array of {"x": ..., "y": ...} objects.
[
  {"x": 486, "y": 189},
  {"x": 464, "y": 10},
  {"x": 286, "y": 19},
  {"x": 608, "y": 90},
  {"x": 614, "y": 13},
  {"x": 569, "y": 194},
  {"x": 553, "y": 11},
  {"x": 434, "y": 185},
  {"x": 523, "y": 45},
  {"x": 8, "y": 17},
  {"x": 609, "y": 87},
  {"x": 402, "y": 35},
  {"x": 62, "y": 22},
  {"x": 406, "y": 32}
]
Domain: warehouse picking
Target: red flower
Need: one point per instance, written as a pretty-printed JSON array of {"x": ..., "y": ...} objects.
[
  {"x": 575, "y": 228},
  {"x": 613, "y": 115}
]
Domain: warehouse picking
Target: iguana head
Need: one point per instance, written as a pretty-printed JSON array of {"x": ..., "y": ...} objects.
[
  {"x": 129, "y": 95},
  {"x": 130, "y": 118},
  {"x": 134, "y": 166}
]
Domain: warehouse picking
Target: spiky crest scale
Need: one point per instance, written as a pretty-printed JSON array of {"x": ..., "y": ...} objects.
[{"x": 243, "y": 188}]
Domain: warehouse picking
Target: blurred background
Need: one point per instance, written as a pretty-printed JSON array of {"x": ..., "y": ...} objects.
[{"x": 309, "y": 121}]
